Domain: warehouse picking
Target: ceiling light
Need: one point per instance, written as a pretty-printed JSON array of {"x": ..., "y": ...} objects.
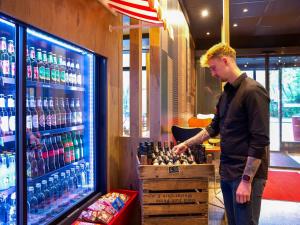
[
  {"x": 245, "y": 10},
  {"x": 235, "y": 25},
  {"x": 207, "y": 33},
  {"x": 204, "y": 13},
  {"x": 245, "y": 65}
]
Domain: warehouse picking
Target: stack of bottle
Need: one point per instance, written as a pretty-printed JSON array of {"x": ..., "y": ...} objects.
[
  {"x": 7, "y": 58},
  {"x": 61, "y": 188},
  {"x": 49, "y": 68},
  {"x": 163, "y": 155},
  {"x": 7, "y": 115},
  {"x": 52, "y": 113},
  {"x": 54, "y": 152}
]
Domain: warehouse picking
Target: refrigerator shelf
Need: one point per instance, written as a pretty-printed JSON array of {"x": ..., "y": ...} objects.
[
  {"x": 60, "y": 130},
  {"x": 8, "y": 191},
  {"x": 53, "y": 86},
  {"x": 62, "y": 169},
  {"x": 9, "y": 138},
  {"x": 7, "y": 80}
]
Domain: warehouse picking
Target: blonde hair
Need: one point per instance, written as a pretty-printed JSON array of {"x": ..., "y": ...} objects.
[{"x": 218, "y": 50}]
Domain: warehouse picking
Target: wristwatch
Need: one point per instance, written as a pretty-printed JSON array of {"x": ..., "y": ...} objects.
[{"x": 246, "y": 178}]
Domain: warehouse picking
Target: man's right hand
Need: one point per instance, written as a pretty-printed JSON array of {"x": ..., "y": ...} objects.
[{"x": 181, "y": 148}]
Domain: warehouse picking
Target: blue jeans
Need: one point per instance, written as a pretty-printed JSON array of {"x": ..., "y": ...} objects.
[{"x": 242, "y": 214}]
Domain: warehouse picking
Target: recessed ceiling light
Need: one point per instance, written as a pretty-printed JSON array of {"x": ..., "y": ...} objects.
[
  {"x": 279, "y": 60},
  {"x": 207, "y": 33},
  {"x": 235, "y": 25},
  {"x": 245, "y": 10},
  {"x": 295, "y": 60},
  {"x": 204, "y": 13},
  {"x": 245, "y": 65}
]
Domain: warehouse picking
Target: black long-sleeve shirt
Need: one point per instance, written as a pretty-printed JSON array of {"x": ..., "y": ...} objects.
[{"x": 242, "y": 120}]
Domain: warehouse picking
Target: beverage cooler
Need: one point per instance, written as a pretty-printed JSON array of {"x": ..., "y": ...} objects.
[{"x": 51, "y": 111}]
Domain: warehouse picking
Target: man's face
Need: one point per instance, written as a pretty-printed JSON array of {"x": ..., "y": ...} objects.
[{"x": 218, "y": 68}]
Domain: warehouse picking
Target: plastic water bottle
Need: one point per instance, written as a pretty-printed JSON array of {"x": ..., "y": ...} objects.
[
  {"x": 3, "y": 210},
  {"x": 46, "y": 192},
  {"x": 12, "y": 210},
  {"x": 40, "y": 197},
  {"x": 74, "y": 179},
  {"x": 83, "y": 175},
  {"x": 52, "y": 188},
  {"x": 78, "y": 174},
  {"x": 87, "y": 172},
  {"x": 33, "y": 202}
]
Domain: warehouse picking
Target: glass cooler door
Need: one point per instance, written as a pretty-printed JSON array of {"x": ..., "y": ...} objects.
[
  {"x": 7, "y": 122},
  {"x": 59, "y": 126}
]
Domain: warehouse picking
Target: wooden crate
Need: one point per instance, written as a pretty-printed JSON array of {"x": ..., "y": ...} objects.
[{"x": 174, "y": 194}]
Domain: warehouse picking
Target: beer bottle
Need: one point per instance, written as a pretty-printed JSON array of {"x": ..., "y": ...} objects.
[
  {"x": 69, "y": 77},
  {"x": 28, "y": 65},
  {"x": 11, "y": 114},
  {"x": 62, "y": 70},
  {"x": 68, "y": 113},
  {"x": 52, "y": 113},
  {"x": 47, "y": 114},
  {"x": 56, "y": 70},
  {"x": 73, "y": 72},
  {"x": 34, "y": 66},
  {"x": 41, "y": 65},
  {"x": 76, "y": 147},
  {"x": 78, "y": 74},
  {"x": 78, "y": 112},
  {"x": 56, "y": 152},
  {"x": 57, "y": 112},
  {"x": 51, "y": 154},
  {"x": 12, "y": 58},
  {"x": 47, "y": 69},
  {"x": 41, "y": 114},
  {"x": 34, "y": 114},
  {"x": 4, "y": 58},
  {"x": 52, "y": 69},
  {"x": 62, "y": 113},
  {"x": 61, "y": 151},
  {"x": 73, "y": 112},
  {"x": 28, "y": 117}
]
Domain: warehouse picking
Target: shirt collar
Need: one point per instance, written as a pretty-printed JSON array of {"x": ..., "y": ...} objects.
[{"x": 236, "y": 84}]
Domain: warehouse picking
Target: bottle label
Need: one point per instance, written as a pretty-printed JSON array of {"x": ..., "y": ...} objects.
[
  {"x": 79, "y": 79},
  {"x": 35, "y": 73},
  {"x": 66, "y": 77},
  {"x": 10, "y": 103},
  {"x": 29, "y": 122},
  {"x": 45, "y": 155},
  {"x": 53, "y": 119},
  {"x": 79, "y": 117},
  {"x": 51, "y": 153},
  {"x": 4, "y": 124},
  {"x": 57, "y": 76},
  {"x": 13, "y": 69},
  {"x": 5, "y": 67},
  {"x": 42, "y": 72},
  {"x": 3, "y": 45},
  {"x": 72, "y": 156},
  {"x": 2, "y": 102},
  {"x": 48, "y": 120},
  {"x": 35, "y": 121},
  {"x": 67, "y": 157},
  {"x": 12, "y": 123},
  {"x": 42, "y": 120},
  {"x": 29, "y": 72},
  {"x": 61, "y": 151}
]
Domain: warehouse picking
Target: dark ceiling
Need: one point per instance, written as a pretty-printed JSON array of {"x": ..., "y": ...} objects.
[{"x": 268, "y": 23}]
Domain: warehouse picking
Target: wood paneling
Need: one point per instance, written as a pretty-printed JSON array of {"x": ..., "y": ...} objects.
[{"x": 85, "y": 23}]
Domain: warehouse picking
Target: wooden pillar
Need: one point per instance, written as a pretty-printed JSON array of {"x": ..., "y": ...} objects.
[
  {"x": 155, "y": 93},
  {"x": 226, "y": 23}
]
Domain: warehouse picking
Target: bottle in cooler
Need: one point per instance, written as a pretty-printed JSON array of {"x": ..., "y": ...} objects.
[
  {"x": 41, "y": 158},
  {"x": 62, "y": 111},
  {"x": 62, "y": 70},
  {"x": 47, "y": 114},
  {"x": 61, "y": 151},
  {"x": 56, "y": 151},
  {"x": 83, "y": 175},
  {"x": 34, "y": 66},
  {"x": 51, "y": 67},
  {"x": 68, "y": 73},
  {"x": 57, "y": 185},
  {"x": 46, "y": 192},
  {"x": 64, "y": 184},
  {"x": 65, "y": 141},
  {"x": 51, "y": 154},
  {"x": 68, "y": 113},
  {"x": 28, "y": 65},
  {"x": 34, "y": 114},
  {"x": 73, "y": 112},
  {"x": 12, "y": 58},
  {"x": 52, "y": 113},
  {"x": 12, "y": 209},
  {"x": 76, "y": 147},
  {"x": 78, "y": 112},
  {"x": 78, "y": 175},
  {"x": 71, "y": 147},
  {"x": 78, "y": 74},
  {"x": 56, "y": 69},
  {"x": 11, "y": 114},
  {"x": 74, "y": 178},
  {"x": 4, "y": 116},
  {"x": 57, "y": 112},
  {"x": 4, "y": 58},
  {"x": 41, "y": 114},
  {"x": 51, "y": 188},
  {"x": 40, "y": 198},
  {"x": 33, "y": 201},
  {"x": 41, "y": 65},
  {"x": 47, "y": 68}
]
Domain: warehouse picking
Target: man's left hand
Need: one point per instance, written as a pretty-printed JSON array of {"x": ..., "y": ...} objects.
[{"x": 243, "y": 192}]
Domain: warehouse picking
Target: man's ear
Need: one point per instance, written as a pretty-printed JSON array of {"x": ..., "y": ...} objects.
[{"x": 225, "y": 60}]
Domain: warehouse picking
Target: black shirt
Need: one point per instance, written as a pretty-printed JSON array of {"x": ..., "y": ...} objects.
[{"x": 242, "y": 120}]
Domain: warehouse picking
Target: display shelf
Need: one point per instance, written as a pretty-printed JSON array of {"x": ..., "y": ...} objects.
[
  {"x": 8, "y": 138},
  {"x": 8, "y": 191},
  {"x": 59, "y": 130},
  {"x": 62, "y": 169},
  {"x": 7, "y": 80},
  {"x": 36, "y": 84}
]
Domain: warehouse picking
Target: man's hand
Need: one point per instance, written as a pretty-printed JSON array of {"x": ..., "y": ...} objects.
[
  {"x": 243, "y": 192},
  {"x": 178, "y": 149}
]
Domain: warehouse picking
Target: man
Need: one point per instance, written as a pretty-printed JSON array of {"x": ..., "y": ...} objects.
[{"x": 242, "y": 120}]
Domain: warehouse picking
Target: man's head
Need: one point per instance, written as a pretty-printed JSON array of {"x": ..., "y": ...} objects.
[{"x": 221, "y": 60}]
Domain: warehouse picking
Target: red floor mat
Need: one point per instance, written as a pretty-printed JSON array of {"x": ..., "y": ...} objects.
[{"x": 283, "y": 186}]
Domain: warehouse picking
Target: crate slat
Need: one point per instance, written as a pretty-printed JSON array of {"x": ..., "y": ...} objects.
[
  {"x": 175, "y": 209},
  {"x": 171, "y": 198},
  {"x": 183, "y": 220}
]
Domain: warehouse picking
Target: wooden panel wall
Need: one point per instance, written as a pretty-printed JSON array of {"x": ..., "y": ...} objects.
[{"x": 84, "y": 22}]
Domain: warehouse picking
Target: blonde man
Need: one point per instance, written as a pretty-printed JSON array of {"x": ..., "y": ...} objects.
[{"x": 242, "y": 120}]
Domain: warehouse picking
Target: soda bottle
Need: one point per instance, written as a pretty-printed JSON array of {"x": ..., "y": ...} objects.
[
  {"x": 41, "y": 65},
  {"x": 76, "y": 147},
  {"x": 52, "y": 113},
  {"x": 40, "y": 198},
  {"x": 71, "y": 147},
  {"x": 4, "y": 116},
  {"x": 46, "y": 192},
  {"x": 47, "y": 114},
  {"x": 11, "y": 114},
  {"x": 51, "y": 154},
  {"x": 12, "y": 58},
  {"x": 28, "y": 65},
  {"x": 42, "y": 159},
  {"x": 34, "y": 114},
  {"x": 68, "y": 113},
  {"x": 57, "y": 112},
  {"x": 28, "y": 116},
  {"x": 56, "y": 151},
  {"x": 69, "y": 73},
  {"x": 73, "y": 73},
  {"x": 78, "y": 112},
  {"x": 33, "y": 201},
  {"x": 56, "y": 69},
  {"x": 52, "y": 69},
  {"x": 78, "y": 74},
  {"x": 47, "y": 69},
  {"x": 67, "y": 157},
  {"x": 62, "y": 113},
  {"x": 73, "y": 112},
  {"x": 61, "y": 151},
  {"x": 4, "y": 58},
  {"x": 57, "y": 185},
  {"x": 34, "y": 66},
  {"x": 32, "y": 160},
  {"x": 62, "y": 69},
  {"x": 41, "y": 114}
]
